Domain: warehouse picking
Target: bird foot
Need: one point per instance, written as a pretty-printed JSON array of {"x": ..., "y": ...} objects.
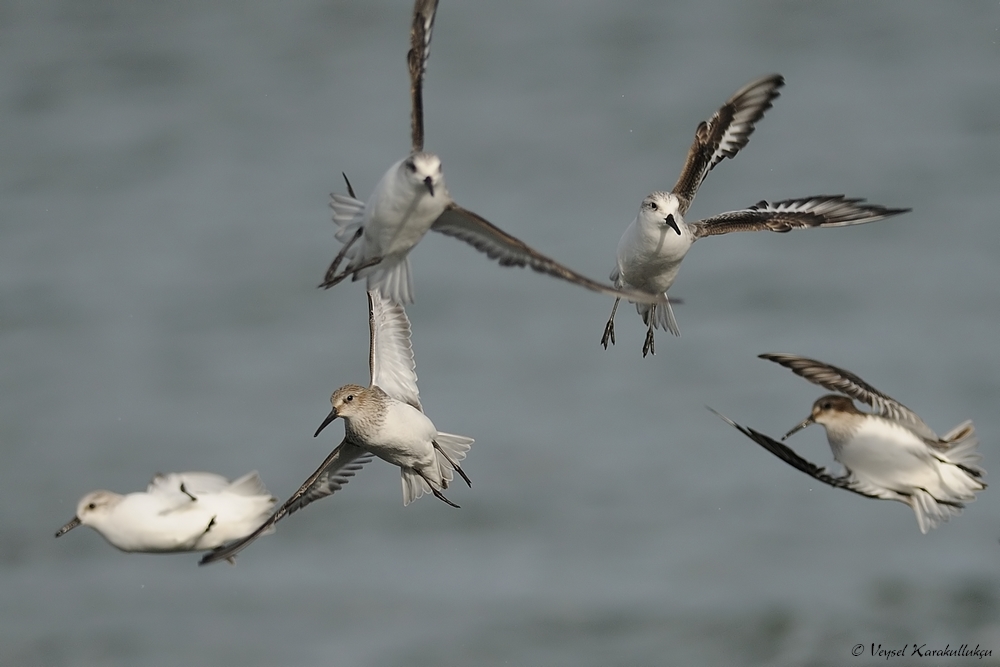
[{"x": 647, "y": 347}]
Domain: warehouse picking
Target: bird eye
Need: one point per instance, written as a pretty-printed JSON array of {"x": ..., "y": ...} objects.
[
  {"x": 350, "y": 397},
  {"x": 652, "y": 205},
  {"x": 92, "y": 506},
  {"x": 409, "y": 165}
]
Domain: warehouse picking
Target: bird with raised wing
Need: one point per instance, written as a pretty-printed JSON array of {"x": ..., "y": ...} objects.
[
  {"x": 653, "y": 246},
  {"x": 889, "y": 454},
  {"x": 384, "y": 419},
  {"x": 412, "y": 198},
  {"x": 188, "y": 511}
]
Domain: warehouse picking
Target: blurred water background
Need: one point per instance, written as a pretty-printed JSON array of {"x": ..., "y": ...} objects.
[{"x": 163, "y": 224}]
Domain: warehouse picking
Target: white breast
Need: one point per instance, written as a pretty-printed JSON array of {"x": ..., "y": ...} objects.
[
  {"x": 649, "y": 255},
  {"x": 890, "y": 456},
  {"x": 405, "y": 437}
]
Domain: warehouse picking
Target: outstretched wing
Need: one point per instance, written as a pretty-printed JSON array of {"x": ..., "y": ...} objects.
[
  {"x": 416, "y": 59},
  {"x": 333, "y": 478},
  {"x": 336, "y": 471},
  {"x": 783, "y": 216},
  {"x": 818, "y": 473},
  {"x": 509, "y": 251},
  {"x": 837, "y": 379},
  {"x": 390, "y": 358},
  {"x": 725, "y": 133}
]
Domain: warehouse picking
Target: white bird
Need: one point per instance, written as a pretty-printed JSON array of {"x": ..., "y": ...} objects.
[
  {"x": 412, "y": 198},
  {"x": 188, "y": 511},
  {"x": 384, "y": 419},
  {"x": 889, "y": 453},
  {"x": 653, "y": 246}
]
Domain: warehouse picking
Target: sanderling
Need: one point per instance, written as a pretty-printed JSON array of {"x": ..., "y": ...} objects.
[
  {"x": 384, "y": 419},
  {"x": 890, "y": 453},
  {"x": 188, "y": 511},
  {"x": 412, "y": 198},
  {"x": 654, "y": 244}
]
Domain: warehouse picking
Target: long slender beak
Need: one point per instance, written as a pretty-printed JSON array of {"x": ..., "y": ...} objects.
[
  {"x": 326, "y": 422},
  {"x": 68, "y": 527},
  {"x": 669, "y": 220},
  {"x": 805, "y": 422},
  {"x": 430, "y": 186}
]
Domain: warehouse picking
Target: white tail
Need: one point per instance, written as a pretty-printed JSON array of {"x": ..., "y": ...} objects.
[
  {"x": 663, "y": 316},
  {"x": 962, "y": 443},
  {"x": 414, "y": 485},
  {"x": 450, "y": 446},
  {"x": 929, "y": 511},
  {"x": 395, "y": 282},
  {"x": 455, "y": 447}
]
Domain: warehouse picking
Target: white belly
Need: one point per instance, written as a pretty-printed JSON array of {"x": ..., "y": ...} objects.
[
  {"x": 649, "y": 258},
  {"x": 891, "y": 457},
  {"x": 405, "y": 438},
  {"x": 399, "y": 215}
]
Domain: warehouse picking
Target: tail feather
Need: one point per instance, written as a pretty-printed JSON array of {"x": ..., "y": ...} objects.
[
  {"x": 663, "y": 316},
  {"x": 930, "y": 512},
  {"x": 414, "y": 485},
  {"x": 394, "y": 282},
  {"x": 962, "y": 443},
  {"x": 440, "y": 475},
  {"x": 456, "y": 447}
]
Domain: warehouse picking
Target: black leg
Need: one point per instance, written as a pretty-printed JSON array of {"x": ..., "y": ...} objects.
[
  {"x": 440, "y": 496},
  {"x": 647, "y": 347},
  {"x": 609, "y": 328},
  {"x": 337, "y": 279},
  {"x": 454, "y": 465},
  {"x": 328, "y": 279},
  {"x": 437, "y": 494}
]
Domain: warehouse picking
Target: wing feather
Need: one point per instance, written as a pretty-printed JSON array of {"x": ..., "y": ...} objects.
[
  {"x": 194, "y": 482},
  {"x": 510, "y": 251},
  {"x": 416, "y": 59},
  {"x": 342, "y": 464},
  {"x": 785, "y": 453},
  {"x": 789, "y": 214},
  {"x": 390, "y": 359},
  {"x": 845, "y": 382},
  {"x": 725, "y": 134}
]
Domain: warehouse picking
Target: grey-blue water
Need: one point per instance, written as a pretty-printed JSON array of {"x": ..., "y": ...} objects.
[{"x": 164, "y": 182}]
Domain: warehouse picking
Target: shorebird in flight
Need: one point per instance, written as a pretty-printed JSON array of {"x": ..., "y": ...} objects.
[
  {"x": 384, "y": 419},
  {"x": 889, "y": 454},
  {"x": 412, "y": 198},
  {"x": 188, "y": 511},
  {"x": 653, "y": 246}
]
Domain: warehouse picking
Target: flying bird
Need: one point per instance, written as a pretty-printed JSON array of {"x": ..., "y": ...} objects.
[
  {"x": 384, "y": 419},
  {"x": 653, "y": 246},
  {"x": 412, "y": 198},
  {"x": 889, "y": 453},
  {"x": 188, "y": 511}
]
